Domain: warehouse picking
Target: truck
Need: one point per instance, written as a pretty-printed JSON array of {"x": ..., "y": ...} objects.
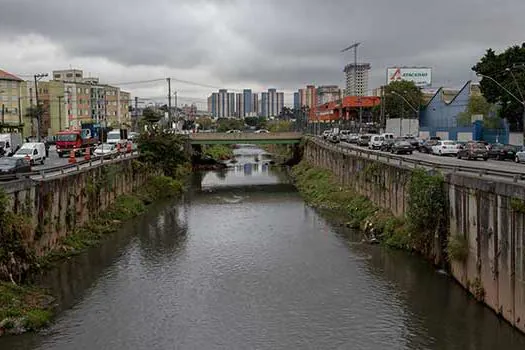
[
  {"x": 80, "y": 140},
  {"x": 9, "y": 144},
  {"x": 118, "y": 136}
]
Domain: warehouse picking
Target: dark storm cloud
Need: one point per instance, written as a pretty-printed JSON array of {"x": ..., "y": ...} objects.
[{"x": 278, "y": 43}]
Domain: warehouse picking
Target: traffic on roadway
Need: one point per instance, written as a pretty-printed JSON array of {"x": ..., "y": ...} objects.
[{"x": 478, "y": 154}]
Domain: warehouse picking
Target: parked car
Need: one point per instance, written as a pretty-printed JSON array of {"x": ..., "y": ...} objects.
[
  {"x": 401, "y": 146},
  {"x": 427, "y": 145},
  {"x": 376, "y": 141},
  {"x": 387, "y": 144},
  {"x": 334, "y": 138},
  {"x": 363, "y": 140},
  {"x": 106, "y": 150},
  {"x": 473, "y": 150},
  {"x": 343, "y": 135},
  {"x": 262, "y": 131},
  {"x": 10, "y": 165},
  {"x": 520, "y": 156},
  {"x": 502, "y": 152},
  {"x": 447, "y": 147}
]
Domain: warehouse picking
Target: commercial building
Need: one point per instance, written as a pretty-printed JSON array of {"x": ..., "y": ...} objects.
[
  {"x": 327, "y": 93},
  {"x": 356, "y": 77}
]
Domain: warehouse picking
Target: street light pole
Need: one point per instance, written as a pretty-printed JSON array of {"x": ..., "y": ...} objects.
[{"x": 522, "y": 101}]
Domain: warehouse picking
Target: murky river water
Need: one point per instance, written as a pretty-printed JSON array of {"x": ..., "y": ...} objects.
[{"x": 243, "y": 263}]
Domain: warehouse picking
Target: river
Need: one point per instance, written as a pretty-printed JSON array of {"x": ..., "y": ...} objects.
[{"x": 242, "y": 263}]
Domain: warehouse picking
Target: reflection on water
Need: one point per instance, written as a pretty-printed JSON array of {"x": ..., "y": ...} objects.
[{"x": 245, "y": 264}]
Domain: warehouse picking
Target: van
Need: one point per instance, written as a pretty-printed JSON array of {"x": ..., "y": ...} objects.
[
  {"x": 9, "y": 144},
  {"x": 387, "y": 136},
  {"x": 376, "y": 141},
  {"x": 36, "y": 151}
]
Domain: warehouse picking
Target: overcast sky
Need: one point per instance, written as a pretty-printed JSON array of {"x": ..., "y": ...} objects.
[{"x": 235, "y": 44}]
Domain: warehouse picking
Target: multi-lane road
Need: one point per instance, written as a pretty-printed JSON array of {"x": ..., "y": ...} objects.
[{"x": 461, "y": 165}]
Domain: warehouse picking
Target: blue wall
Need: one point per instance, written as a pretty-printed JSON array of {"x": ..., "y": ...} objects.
[{"x": 440, "y": 114}]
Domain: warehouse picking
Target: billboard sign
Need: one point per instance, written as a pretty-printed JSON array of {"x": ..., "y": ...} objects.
[{"x": 422, "y": 77}]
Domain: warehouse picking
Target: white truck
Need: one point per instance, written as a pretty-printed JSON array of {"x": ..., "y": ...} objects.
[
  {"x": 118, "y": 136},
  {"x": 9, "y": 144}
]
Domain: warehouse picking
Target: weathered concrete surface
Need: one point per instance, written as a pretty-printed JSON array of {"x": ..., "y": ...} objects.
[
  {"x": 59, "y": 204},
  {"x": 479, "y": 210}
]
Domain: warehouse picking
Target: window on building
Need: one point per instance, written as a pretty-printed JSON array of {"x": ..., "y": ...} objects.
[
  {"x": 86, "y": 91},
  {"x": 57, "y": 76},
  {"x": 78, "y": 75},
  {"x": 69, "y": 75},
  {"x": 79, "y": 90}
]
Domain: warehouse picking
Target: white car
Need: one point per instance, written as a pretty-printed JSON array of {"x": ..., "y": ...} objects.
[
  {"x": 343, "y": 135},
  {"x": 33, "y": 151},
  {"x": 262, "y": 131},
  {"x": 106, "y": 149},
  {"x": 446, "y": 147},
  {"x": 520, "y": 156},
  {"x": 376, "y": 141},
  {"x": 233, "y": 131},
  {"x": 326, "y": 133}
]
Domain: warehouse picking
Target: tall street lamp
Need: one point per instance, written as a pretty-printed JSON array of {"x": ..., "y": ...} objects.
[
  {"x": 520, "y": 101},
  {"x": 37, "y": 77},
  {"x": 416, "y": 110}
]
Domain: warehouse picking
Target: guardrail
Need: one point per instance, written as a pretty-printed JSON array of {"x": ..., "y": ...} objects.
[
  {"x": 413, "y": 163},
  {"x": 68, "y": 168}
]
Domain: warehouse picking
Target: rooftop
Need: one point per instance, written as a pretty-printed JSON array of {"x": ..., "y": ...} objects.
[{"x": 8, "y": 76}]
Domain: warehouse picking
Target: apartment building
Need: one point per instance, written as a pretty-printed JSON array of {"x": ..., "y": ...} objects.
[
  {"x": 356, "y": 77},
  {"x": 12, "y": 95}
]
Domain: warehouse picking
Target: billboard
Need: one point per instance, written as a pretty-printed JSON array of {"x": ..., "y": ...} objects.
[{"x": 421, "y": 76}]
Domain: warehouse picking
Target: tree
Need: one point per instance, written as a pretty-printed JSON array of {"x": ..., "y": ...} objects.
[
  {"x": 205, "y": 123},
  {"x": 225, "y": 124},
  {"x": 476, "y": 105},
  {"x": 395, "y": 106},
  {"x": 251, "y": 121},
  {"x": 151, "y": 115},
  {"x": 162, "y": 148},
  {"x": 502, "y": 67}
]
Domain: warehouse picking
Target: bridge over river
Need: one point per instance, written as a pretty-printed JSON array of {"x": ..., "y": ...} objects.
[{"x": 287, "y": 138}]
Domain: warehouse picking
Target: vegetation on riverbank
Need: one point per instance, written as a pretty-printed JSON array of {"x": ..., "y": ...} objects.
[
  {"x": 218, "y": 152},
  {"x": 24, "y": 307},
  {"x": 415, "y": 232}
]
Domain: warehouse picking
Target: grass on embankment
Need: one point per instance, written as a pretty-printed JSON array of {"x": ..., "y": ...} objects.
[
  {"x": 320, "y": 189},
  {"x": 24, "y": 307}
]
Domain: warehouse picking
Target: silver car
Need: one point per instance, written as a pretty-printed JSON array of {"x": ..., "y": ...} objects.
[{"x": 520, "y": 156}]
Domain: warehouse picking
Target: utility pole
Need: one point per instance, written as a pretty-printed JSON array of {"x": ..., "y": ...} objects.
[
  {"x": 135, "y": 120},
  {"x": 37, "y": 77},
  {"x": 60, "y": 112},
  {"x": 169, "y": 102}
]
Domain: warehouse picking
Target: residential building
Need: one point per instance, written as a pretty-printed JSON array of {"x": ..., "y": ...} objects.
[
  {"x": 280, "y": 103},
  {"x": 272, "y": 102},
  {"x": 213, "y": 102},
  {"x": 222, "y": 104},
  {"x": 255, "y": 105},
  {"x": 12, "y": 96},
  {"x": 71, "y": 75},
  {"x": 190, "y": 111},
  {"x": 231, "y": 105},
  {"x": 263, "y": 107},
  {"x": 296, "y": 100},
  {"x": 247, "y": 103},
  {"x": 239, "y": 105},
  {"x": 124, "y": 113},
  {"x": 356, "y": 77},
  {"x": 302, "y": 97}
]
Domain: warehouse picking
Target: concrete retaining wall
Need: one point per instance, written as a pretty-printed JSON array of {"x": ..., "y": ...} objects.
[
  {"x": 59, "y": 204},
  {"x": 479, "y": 210}
]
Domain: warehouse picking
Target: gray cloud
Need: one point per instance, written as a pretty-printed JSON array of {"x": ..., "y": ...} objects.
[{"x": 285, "y": 44}]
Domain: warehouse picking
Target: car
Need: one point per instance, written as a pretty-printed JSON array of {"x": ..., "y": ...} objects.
[
  {"x": 261, "y": 131},
  {"x": 502, "y": 152},
  {"x": 387, "y": 144},
  {"x": 376, "y": 141},
  {"x": 401, "y": 146},
  {"x": 363, "y": 140},
  {"x": 106, "y": 150},
  {"x": 325, "y": 134},
  {"x": 343, "y": 135},
  {"x": 34, "y": 151},
  {"x": 10, "y": 165},
  {"x": 472, "y": 150},
  {"x": 334, "y": 138},
  {"x": 233, "y": 131},
  {"x": 413, "y": 141},
  {"x": 352, "y": 138},
  {"x": 427, "y": 145},
  {"x": 520, "y": 156},
  {"x": 446, "y": 147}
]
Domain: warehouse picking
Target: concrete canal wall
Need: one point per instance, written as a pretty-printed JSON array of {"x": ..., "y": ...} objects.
[
  {"x": 59, "y": 204},
  {"x": 488, "y": 214}
]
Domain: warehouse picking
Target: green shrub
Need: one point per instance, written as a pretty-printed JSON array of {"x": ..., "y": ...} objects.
[{"x": 457, "y": 248}]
